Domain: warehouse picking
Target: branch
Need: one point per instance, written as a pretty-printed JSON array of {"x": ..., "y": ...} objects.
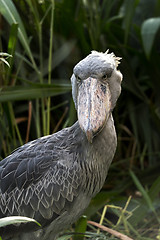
[{"x": 111, "y": 231}]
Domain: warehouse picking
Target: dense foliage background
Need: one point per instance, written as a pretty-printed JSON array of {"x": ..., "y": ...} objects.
[{"x": 46, "y": 38}]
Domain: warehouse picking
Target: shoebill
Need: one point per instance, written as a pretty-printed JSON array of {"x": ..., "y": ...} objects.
[{"x": 53, "y": 178}]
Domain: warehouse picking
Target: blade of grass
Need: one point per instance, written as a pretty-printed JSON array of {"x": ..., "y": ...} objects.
[
  {"x": 155, "y": 189},
  {"x": 50, "y": 64},
  {"x": 11, "y": 49},
  {"x": 81, "y": 227},
  {"x": 16, "y": 219},
  {"x": 29, "y": 120},
  {"x": 9, "y": 11},
  {"x": 4, "y": 61},
  {"x": 17, "y": 93},
  {"x": 145, "y": 194},
  {"x": 65, "y": 237},
  {"x": 142, "y": 190},
  {"x": 37, "y": 118},
  {"x": 14, "y": 124},
  {"x": 129, "y": 10}
]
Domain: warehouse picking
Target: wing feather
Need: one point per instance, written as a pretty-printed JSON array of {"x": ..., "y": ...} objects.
[{"x": 36, "y": 180}]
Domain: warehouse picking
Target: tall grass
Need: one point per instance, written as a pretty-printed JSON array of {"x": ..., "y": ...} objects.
[{"x": 46, "y": 39}]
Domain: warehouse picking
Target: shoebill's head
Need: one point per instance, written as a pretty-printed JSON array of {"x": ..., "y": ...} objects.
[{"x": 96, "y": 86}]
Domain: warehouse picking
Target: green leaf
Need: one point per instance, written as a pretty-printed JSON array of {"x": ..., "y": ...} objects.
[
  {"x": 16, "y": 219},
  {"x": 8, "y": 10},
  {"x": 10, "y": 13},
  {"x": 154, "y": 190},
  {"x": 17, "y": 93},
  {"x": 66, "y": 237},
  {"x": 5, "y": 55},
  {"x": 129, "y": 9},
  {"x": 5, "y": 61},
  {"x": 11, "y": 49},
  {"x": 12, "y": 39},
  {"x": 145, "y": 204},
  {"x": 81, "y": 227},
  {"x": 143, "y": 191},
  {"x": 149, "y": 30}
]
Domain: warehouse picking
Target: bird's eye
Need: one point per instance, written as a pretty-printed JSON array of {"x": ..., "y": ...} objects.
[
  {"x": 78, "y": 79},
  {"x": 104, "y": 76}
]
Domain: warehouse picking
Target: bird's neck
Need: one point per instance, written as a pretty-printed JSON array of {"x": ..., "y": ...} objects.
[
  {"x": 104, "y": 146},
  {"x": 98, "y": 155}
]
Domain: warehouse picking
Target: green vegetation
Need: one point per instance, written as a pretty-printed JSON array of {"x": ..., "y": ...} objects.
[
  {"x": 16, "y": 219},
  {"x": 45, "y": 39}
]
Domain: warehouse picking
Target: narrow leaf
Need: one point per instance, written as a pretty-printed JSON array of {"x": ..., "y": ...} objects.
[
  {"x": 142, "y": 190},
  {"x": 12, "y": 39},
  {"x": 81, "y": 227},
  {"x": 16, "y": 219},
  {"x": 155, "y": 189},
  {"x": 6, "y": 55},
  {"x": 9, "y": 11},
  {"x": 66, "y": 237},
  {"x": 5, "y": 61},
  {"x": 129, "y": 9},
  {"x": 17, "y": 93}
]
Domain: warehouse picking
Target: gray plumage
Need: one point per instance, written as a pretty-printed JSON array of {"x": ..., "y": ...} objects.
[{"x": 52, "y": 179}]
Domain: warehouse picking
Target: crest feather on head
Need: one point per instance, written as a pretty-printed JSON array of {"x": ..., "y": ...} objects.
[{"x": 110, "y": 56}]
